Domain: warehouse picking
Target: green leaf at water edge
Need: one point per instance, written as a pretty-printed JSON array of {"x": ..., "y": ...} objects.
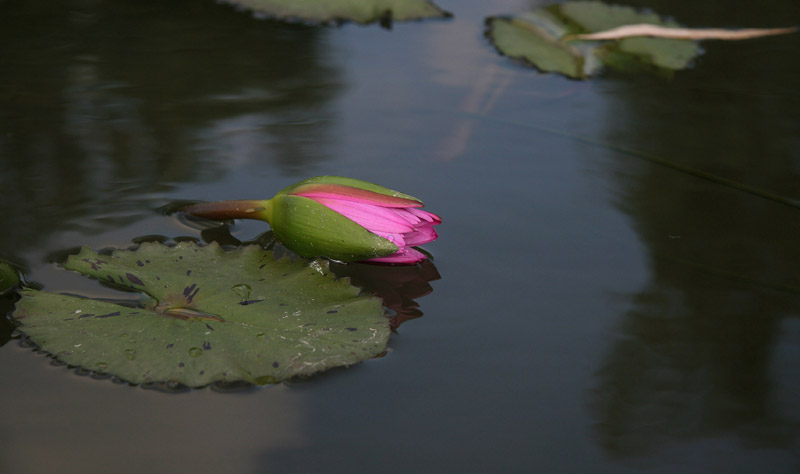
[
  {"x": 9, "y": 278},
  {"x": 334, "y": 11},
  {"x": 534, "y": 37},
  {"x": 212, "y": 316},
  {"x": 542, "y": 38}
]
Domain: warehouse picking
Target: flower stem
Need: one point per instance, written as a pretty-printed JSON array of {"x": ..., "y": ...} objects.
[{"x": 223, "y": 210}]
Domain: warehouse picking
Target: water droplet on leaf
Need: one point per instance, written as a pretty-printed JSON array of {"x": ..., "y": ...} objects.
[{"x": 242, "y": 290}]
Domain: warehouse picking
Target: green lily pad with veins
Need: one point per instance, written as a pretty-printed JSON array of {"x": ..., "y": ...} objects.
[
  {"x": 337, "y": 11},
  {"x": 543, "y": 38},
  {"x": 210, "y": 315}
]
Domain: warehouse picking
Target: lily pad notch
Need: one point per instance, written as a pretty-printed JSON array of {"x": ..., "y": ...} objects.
[{"x": 207, "y": 316}]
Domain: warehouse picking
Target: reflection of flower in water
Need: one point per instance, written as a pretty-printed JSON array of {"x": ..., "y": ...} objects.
[{"x": 399, "y": 286}]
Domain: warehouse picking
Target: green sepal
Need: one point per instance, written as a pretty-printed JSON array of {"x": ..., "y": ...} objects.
[
  {"x": 356, "y": 183},
  {"x": 311, "y": 229}
]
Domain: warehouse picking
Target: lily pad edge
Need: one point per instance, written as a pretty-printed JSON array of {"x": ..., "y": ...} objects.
[{"x": 317, "y": 264}]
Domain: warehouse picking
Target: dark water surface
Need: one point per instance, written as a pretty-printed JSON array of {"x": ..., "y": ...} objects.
[{"x": 596, "y": 311}]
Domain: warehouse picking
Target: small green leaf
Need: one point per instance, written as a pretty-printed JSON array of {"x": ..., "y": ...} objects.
[
  {"x": 545, "y": 38},
  {"x": 335, "y": 11},
  {"x": 599, "y": 16},
  {"x": 534, "y": 37},
  {"x": 9, "y": 278},
  {"x": 213, "y": 316}
]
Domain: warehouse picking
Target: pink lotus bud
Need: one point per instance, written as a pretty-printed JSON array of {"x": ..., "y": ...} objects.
[{"x": 340, "y": 218}]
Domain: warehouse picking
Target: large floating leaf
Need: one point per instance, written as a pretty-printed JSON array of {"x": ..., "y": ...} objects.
[
  {"x": 213, "y": 315},
  {"x": 546, "y": 39},
  {"x": 336, "y": 11}
]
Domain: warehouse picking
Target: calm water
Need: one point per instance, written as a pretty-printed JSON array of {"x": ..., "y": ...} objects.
[{"x": 595, "y": 311}]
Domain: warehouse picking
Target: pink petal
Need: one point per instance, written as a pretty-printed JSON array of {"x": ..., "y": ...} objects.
[
  {"x": 407, "y": 256},
  {"x": 428, "y": 216},
  {"x": 349, "y": 193},
  {"x": 409, "y": 216},
  {"x": 372, "y": 218},
  {"x": 422, "y": 235}
]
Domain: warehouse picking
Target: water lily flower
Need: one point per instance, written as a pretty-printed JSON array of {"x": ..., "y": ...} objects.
[{"x": 340, "y": 218}]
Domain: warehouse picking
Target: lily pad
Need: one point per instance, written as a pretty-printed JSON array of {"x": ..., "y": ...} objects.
[
  {"x": 208, "y": 315},
  {"x": 545, "y": 39},
  {"x": 337, "y": 11}
]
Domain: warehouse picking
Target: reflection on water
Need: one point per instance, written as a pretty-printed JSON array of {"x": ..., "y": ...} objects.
[
  {"x": 694, "y": 364},
  {"x": 399, "y": 286},
  {"x": 698, "y": 354},
  {"x": 103, "y": 104},
  {"x": 109, "y": 108}
]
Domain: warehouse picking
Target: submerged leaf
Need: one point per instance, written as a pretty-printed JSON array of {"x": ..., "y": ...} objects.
[
  {"x": 563, "y": 38},
  {"x": 336, "y": 11},
  {"x": 213, "y": 316}
]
